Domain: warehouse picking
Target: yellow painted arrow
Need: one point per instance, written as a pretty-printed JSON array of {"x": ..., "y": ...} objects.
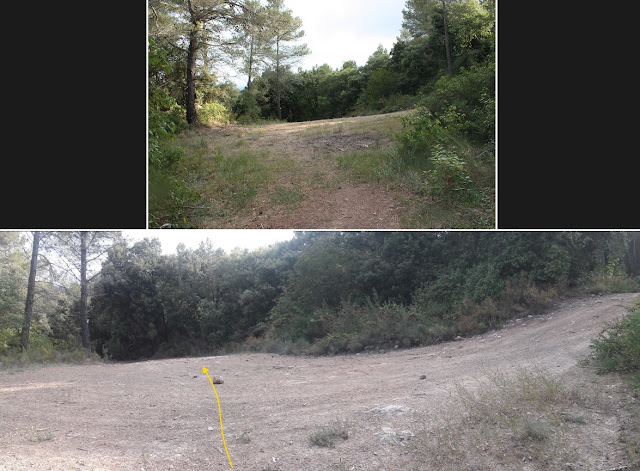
[{"x": 205, "y": 370}]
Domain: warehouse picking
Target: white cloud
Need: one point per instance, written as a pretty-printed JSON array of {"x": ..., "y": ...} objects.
[
  {"x": 226, "y": 239},
  {"x": 340, "y": 30}
]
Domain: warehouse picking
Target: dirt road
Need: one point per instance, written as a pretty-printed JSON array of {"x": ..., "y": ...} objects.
[
  {"x": 160, "y": 415},
  {"x": 306, "y": 188}
]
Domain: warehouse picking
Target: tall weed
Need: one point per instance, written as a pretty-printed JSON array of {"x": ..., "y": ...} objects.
[{"x": 448, "y": 178}]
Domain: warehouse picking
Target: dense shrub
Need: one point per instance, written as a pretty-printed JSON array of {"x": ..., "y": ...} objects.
[
  {"x": 472, "y": 93},
  {"x": 246, "y": 109},
  {"x": 213, "y": 113},
  {"x": 42, "y": 349},
  {"x": 169, "y": 194},
  {"x": 448, "y": 178},
  {"x": 423, "y": 130},
  {"x": 166, "y": 118},
  {"x": 617, "y": 347}
]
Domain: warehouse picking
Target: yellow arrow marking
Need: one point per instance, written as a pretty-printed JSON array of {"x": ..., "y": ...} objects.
[{"x": 205, "y": 370}]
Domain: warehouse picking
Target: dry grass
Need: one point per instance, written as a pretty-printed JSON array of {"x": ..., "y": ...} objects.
[
  {"x": 327, "y": 436},
  {"x": 274, "y": 168},
  {"x": 529, "y": 420}
]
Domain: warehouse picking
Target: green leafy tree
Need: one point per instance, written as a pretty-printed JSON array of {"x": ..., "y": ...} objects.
[
  {"x": 285, "y": 31},
  {"x": 195, "y": 27},
  {"x": 31, "y": 288}
]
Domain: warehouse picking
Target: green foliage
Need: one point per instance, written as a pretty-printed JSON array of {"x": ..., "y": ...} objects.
[
  {"x": 166, "y": 118},
  {"x": 617, "y": 347},
  {"x": 169, "y": 194},
  {"x": 471, "y": 93},
  {"x": 320, "y": 293},
  {"x": 422, "y": 131},
  {"x": 448, "y": 178},
  {"x": 9, "y": 340},
  {"x": 381, "y": 85},
  {"x": 42, "y": 349},
  {"x": 246, "y": 108},
  {"x": 213, "y": 113}
]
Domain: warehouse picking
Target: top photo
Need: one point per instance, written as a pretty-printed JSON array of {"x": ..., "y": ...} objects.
[{"x": 272, "y": 114}]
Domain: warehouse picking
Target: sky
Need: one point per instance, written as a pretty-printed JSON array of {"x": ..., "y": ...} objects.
[
  {"x": 226, "y": 239},
  {"x": 340, "y": 30}
]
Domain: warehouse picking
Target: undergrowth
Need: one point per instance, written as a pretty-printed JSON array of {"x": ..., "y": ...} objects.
[
  {"x": 617, "y": 347},
  {"x": 227, "y": 179}
]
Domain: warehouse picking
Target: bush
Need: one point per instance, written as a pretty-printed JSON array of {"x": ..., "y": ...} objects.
[
  {"x": 423, "y": 130},
  {"x": 168, "y": 193},
  {"x": 9, "y": 340},
  {"x": 41, "y": 350},
  {"x": 617, "y": 347},
  {"x": 213, "y": 113},
  {"x": 246, "y": 109},
  {"x": 166, "y": 118},
  {"x": 472, "y": 93},
  {"x": 448, "y": 178}
]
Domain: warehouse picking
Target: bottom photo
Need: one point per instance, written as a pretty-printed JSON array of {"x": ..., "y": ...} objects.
[{"x": 319, "y": 350}]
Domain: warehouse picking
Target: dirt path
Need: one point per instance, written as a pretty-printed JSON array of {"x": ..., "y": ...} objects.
[
  {"x": 161, "y": 415},
  {"x": 303, "y": 160}
]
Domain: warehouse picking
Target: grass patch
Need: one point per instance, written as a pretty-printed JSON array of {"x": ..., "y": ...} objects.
[
  {"x": 327, "y": 436},
  {"x": 381, "y": 165},
  {"x": 527, "y": 420},
  {"x": 287, "y": 196},
  {"x": 228, "y": 178},
  {"x": 434, "y": 206},
  {"x": 505, "y": 421},
  {"x": 41, "y": 356}
]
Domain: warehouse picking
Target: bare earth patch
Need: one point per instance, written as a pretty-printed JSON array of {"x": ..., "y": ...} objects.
[
  {"x": 160, "y": 415},
  {"x": 307, "y": 189}
]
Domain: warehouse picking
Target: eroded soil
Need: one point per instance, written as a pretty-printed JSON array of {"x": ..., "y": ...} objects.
[{"x": 160, "y": 415}]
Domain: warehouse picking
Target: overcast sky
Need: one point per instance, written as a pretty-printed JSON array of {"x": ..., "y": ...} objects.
[
  {"x": 340, "y": 30},
  {"x": 227, "y": 239}
]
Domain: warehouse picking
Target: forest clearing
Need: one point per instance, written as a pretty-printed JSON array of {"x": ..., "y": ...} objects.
[
  {"x": 329, "y": 145},
  {"x": 420, "y": 408},
  {"x": 297, "y": 175}
]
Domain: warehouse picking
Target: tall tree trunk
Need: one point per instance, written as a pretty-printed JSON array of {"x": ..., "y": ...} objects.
[
  {"x": 192, "y": 115},
  {"x": 31, "y": 287},
  {"x": 632, "y": 257},
  {"x": 278, "y": 79},
  {"x": 84, "y": 293},
  {"x": 250, "y": 64},
  {"x": 446, "y": 38}
]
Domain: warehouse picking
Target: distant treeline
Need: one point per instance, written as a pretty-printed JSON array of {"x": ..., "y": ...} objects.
[
  {"x": 319, "y": 293},
  {"x": 436, "y": 40},
  {"x": 442, "y": 64},
  {"x": 343, "y": 292}
]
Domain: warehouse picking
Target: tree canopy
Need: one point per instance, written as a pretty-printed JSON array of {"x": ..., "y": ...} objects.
[{"x": 321, "y": 292}]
